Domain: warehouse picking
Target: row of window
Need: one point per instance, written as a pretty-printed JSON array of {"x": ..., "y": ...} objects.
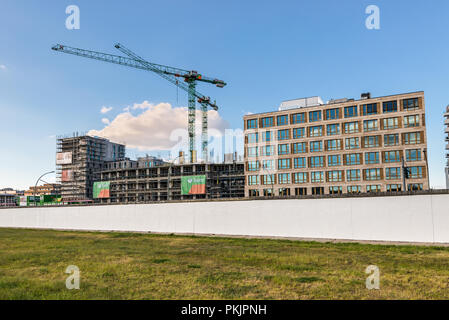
[
  {"x": 336, "y": 160},
  {"x": 336, "y": 129},
  {"x": 333, "y": 114},
  {"x": 351, "y": 175},
  {"x": 334, "y": 190},
  {"x": 353, "y": 143}
]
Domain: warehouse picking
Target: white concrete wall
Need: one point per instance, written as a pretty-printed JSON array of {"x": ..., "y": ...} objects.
[{"x": 423, "y": 218}]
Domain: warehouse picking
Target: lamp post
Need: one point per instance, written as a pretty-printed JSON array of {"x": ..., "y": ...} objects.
[
  {"x": 168, "y": 177},
  {"x": 35, "y": 186}
]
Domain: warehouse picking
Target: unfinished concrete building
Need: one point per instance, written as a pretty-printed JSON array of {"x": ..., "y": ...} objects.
[
  {"x": 133, "y": 182},
  {"x": 78, "y": 160}
]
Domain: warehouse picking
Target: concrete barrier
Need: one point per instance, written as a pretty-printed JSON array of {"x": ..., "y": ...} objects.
[{"x": 418, "y": 218}]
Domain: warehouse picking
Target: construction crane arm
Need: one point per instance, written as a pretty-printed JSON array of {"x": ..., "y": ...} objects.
[{"x": 166, "y": 72}]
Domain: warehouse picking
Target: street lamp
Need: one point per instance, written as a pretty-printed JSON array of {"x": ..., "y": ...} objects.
[
  {"x": 35, "y": 186},
  {"x": 168, "y": 177}
]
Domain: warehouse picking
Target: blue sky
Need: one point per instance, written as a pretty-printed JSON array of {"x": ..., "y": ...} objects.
[{"x": 267, "y": 51}]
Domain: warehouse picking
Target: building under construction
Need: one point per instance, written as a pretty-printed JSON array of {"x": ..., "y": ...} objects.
[
  {"x": 78, "y": 160},
  {"x": 135, "y": 182}
]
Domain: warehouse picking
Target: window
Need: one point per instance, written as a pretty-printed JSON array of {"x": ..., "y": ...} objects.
[
  {"x": 373, "y": 188},
  {"x": 334, "y": 160},
  {"x": 415, "y": 172},
  {"x": 351, "y": 127},
  {"x": 252, "y": 152},
  {"x": 351, "y": 112},
  {"x": 316, "y": 146},
  {"x": 317, "y": 162},
  {"x": 300, "y": 177},
  {"x": 391, "y": 140},
  {"x": 253, "y": 166},
  {"x": 299, "y": 163},
  {"x": 284, "y": 178},
  {"x": 317, "y": 191},
  {"x": 370, "y": 125},
  {"x": 253, "y": 180},
  {"x": 301, "y": 191},
  {"x": 372, "y": 174},
  {"x": 369, "y": 109},
  {"x": 411, "y": 121},
  {"x": 392, "y": 173},
  {"x": 284, "y": 164},
  {"x": 267, "y": 136},
  {"x": 314, "y": 116},
  {"x": 335, "y": 190},
  {"x": 390, "y": 123},
  {"x": 298, "y": 133},
  {"x": 354, "y": 189},
  {"x": 394, "y": 187},
  {"x": 283, "y": 134},
  {"x": 415, "y": 187},
  {"x": 372, "y": 157},
  {"x": 298, "y": 118},
  {"x": 371, "y": 141},
  {"x": 253, "y": 138},
  {"x": 333, "y": 145},
  {"x": 268, "y": 179},
  {"x": 332, "y": 114},
  {"x": 352, "y": 159},
  {"x": 352, "y": 143},
  {"x": 299, "y": 147},
  {"x": 267, "y": 151},
  {"x": 333, "y": 129},
  {"x": 412, "y": 138},
  {"x": 353, "y": 175},
  {"x": 335, "y": 176},
  {"x": 268, "y": 164},
  {"x": 390, "y": 106},
  {"x": 253, "y": 193},
  {"x": 410, "y": 104},
  {"x": 268, "y": 192},
  {"x": 282, "y": 120},
  {"x": 392, "y": 156},
  {"x": 413, "y": 155},
  {"x": 267, "y": 122},
  {"x": 317, "y": 176},
  {"x": 283, "y": 149},
  {"x": 251, "y": 124},
  {"x": 283, "y": 192},
  {"x": 316, "y": 131}
]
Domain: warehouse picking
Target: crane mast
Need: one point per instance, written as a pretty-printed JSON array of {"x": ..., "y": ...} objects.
[{"x": 171, "y": 74}]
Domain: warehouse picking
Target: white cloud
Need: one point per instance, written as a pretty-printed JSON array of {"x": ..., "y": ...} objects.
[
  {"x": 156, "y": 127},
  {"x": 105, "y": 110},
  {"x": 2, "y": 66},
  {"x": 105, "y": 121}
]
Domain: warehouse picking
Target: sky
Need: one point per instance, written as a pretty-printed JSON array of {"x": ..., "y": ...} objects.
[{"x": 267, "y": 52}]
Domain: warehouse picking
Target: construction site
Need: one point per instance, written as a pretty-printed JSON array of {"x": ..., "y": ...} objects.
[{"x": 85, "y": 163}]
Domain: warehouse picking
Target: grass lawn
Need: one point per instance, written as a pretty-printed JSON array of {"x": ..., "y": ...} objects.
[{"x": 145, "y": 266}]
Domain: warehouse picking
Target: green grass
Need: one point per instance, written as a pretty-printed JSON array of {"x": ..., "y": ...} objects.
[{"x": 143, "y": 266}]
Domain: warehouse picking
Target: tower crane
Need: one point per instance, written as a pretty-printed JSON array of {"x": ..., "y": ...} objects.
[{"x": 171, "y": 74}]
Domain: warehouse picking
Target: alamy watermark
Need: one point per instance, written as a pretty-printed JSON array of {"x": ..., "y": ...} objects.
[
  {"x": 373, "y": 280},
  {"x": 372, "y": 22},
  {"x": 73, "y": 21},
  {"x": 73, "y": 281}
]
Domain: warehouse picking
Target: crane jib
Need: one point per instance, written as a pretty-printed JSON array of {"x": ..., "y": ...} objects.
[{"x": 170, "y": 74}]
